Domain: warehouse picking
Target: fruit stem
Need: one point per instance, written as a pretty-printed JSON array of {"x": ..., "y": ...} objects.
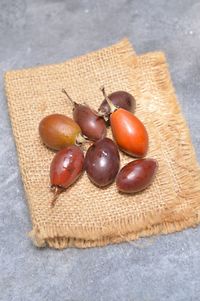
[
  {"x": 80, "y": 139},
  {"x": 103, "y": 115},
  {"x": 69, "y": 98},
  {"x": 100, "y": 113},
  {"x": 57, "y": 191},
  {"x": 113, "y": 108}
]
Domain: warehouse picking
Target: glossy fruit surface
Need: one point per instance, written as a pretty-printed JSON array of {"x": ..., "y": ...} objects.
[
  {"x": 92, "y": 125},
  {"x": 129, "y": 133},
  {"x": 136, "y": 175},
  {"x": 58, "y": 131},
  {"x": 66, "y": 167},
  {"x": 120, "y": 99},
  {"x": 102, "y": 162}
]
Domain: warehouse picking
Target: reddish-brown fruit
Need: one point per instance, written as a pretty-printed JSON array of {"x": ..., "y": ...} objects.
[
  {"x": 121, "y": 99},
  {"x": 92, "y": 125},
  {"x": 58, "y": 131},
  {"x": 66, "y": 167},
  {"x": 102, "y": 162},
  {"x": 136, "y": 175},
  {"x": 129, "y": 132}
]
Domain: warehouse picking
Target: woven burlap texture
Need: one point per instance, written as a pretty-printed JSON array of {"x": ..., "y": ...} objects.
[{"x": 87, "y": 216}]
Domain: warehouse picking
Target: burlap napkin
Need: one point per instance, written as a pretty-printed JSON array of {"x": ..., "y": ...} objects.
[{"x": 86, "y": 216}]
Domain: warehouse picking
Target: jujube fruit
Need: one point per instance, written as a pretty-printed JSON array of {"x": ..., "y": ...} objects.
[
  {"x": 102, "y": 162},
  {"x": 58, "y": 131},
  {"x": 92, "y": 125},
  {"x": 66, "y": 167},
  {"x": 136, "y": 175},
  {"x": 128, "y": 131},
  {"x": 120, "y": 99}
]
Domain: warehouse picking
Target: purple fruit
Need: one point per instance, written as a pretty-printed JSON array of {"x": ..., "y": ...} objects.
[
  {"x": 120, "y": 99},
  {"x": 136, "y": 175},
  {"x": 102, "y": 162},
  {"x": 92, "y": 125}
]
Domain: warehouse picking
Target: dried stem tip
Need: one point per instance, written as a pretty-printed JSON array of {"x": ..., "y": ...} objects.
[
  {"x": 56, "y": 191},
  {"x": 69, "y": 98},
  {"x": 113, "y": 108},
  {"x": 80, "y": 139}
]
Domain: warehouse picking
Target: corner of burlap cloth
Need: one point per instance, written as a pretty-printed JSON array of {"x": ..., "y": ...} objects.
[{"x": 86, "y": 216}]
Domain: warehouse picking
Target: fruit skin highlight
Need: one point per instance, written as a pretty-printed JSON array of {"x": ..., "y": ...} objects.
[
  {"x": 58, "y": 131},
  {"x": 66, "y": 167},
  {"x": 136, "y": 175},
  {"x": 120, "y": 99},
  {"x": 102, "y": 162},
  {"x": 92, "y": 125},
  {"x": 128, "y": 131}
]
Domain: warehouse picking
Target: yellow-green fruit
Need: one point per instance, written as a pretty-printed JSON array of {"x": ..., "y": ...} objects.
[{"x": 58, "y": 131}]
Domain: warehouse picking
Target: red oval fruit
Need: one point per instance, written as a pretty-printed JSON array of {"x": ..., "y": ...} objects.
[
  {"x": 136, "y": 175},
  {"x": 129, "y": 132},
  {"x": 58, "y": 131},
  {"x": 92, "y": 125},
  {"x": 102, "y": 162},
  {"x": 66, "y": 167}
]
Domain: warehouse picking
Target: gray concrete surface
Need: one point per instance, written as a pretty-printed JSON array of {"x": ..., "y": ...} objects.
[{"x": 47, "y": 31}]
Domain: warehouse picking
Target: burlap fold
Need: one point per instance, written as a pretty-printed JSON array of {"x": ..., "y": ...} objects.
[{"x": 87, "y": 216}]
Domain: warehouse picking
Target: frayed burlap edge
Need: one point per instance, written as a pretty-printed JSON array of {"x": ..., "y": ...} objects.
[{"x": 163, "y": 228}]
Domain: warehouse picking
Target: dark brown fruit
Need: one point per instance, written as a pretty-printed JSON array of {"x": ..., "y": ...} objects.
[
  {"x": 102, "y": 162},
  {"x": 66, "y": 167},
  {"x": 58, "y": 131},
  {"x": 136, "y": 175},
  {"x": 120, "y": 99},
  {"x": 92, "y": 125}
]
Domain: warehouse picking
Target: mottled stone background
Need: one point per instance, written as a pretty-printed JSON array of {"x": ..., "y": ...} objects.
[{"x": 49, "y": 31}]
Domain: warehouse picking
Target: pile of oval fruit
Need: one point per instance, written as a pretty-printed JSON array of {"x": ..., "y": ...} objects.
[{"x": 101, "y": 161}]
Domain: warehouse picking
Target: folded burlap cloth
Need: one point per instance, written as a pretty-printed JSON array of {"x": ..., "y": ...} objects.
[{"x": 87, "y": 216}]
